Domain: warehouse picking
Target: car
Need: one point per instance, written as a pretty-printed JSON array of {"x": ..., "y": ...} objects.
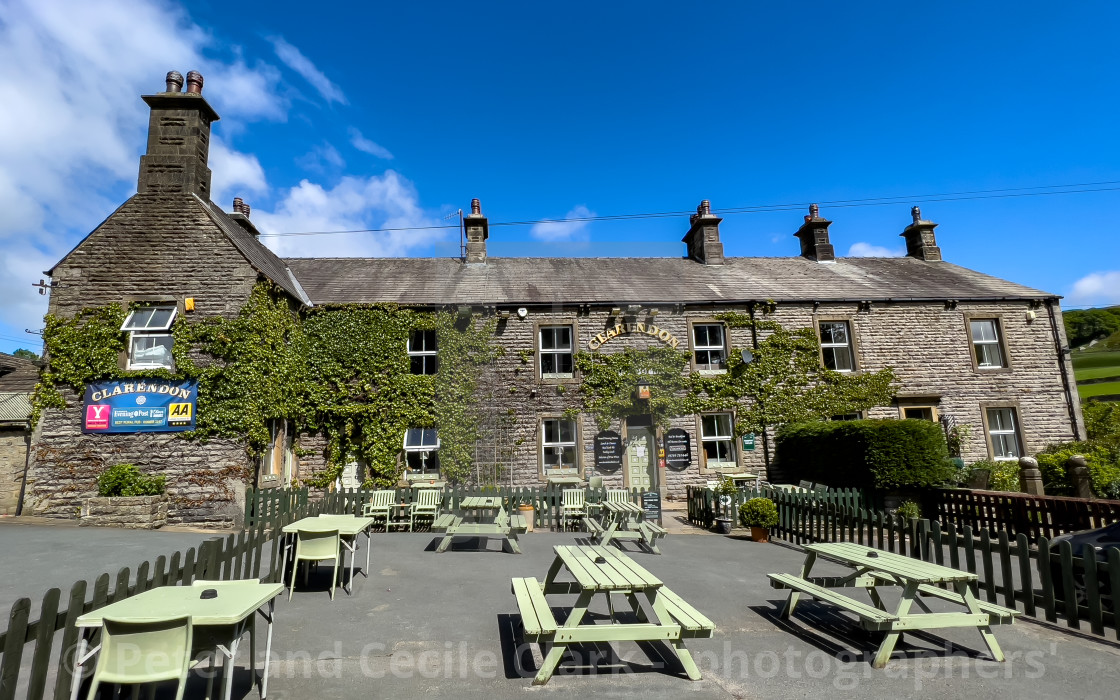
[{"x": 1102, "y": 539}]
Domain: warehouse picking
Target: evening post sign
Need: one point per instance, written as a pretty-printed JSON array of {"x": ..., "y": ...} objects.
[{"x": 140, "y": 406}]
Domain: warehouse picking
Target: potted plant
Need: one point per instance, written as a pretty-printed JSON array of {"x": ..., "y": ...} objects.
[
  {"x": 759, "y": 514},
  {"x": 724, "y": 491}
]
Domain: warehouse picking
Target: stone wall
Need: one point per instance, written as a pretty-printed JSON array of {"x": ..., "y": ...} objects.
[
  {"x": 14, "y": 444},
  {"x": 134, "y": 512},
  {"x": 205, "y": 479}
]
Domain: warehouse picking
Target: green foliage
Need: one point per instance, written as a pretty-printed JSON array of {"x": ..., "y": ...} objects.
[
  {"x": 1102, "y": 421},
  {"x": 127, "y": 480},
  {"x": 726, "y": 487},
  {"x": 1085, "y": 325},
  {"x": 1003, "y": 474},
  {"x": 758, "y": 512},
  {"x": 25, "y": 354},
  {"x": 880, "y": 454},
  {"x": 909, "y": 510},
  {"x": 1101, "y": 458},
  {"x": 342, "y": 371},
  {"x": 610, "y": 380}
]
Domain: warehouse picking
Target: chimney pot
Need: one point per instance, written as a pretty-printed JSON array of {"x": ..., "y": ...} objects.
[
  {"x": 921, "y": 242},
  {"x": 174, "y": 81},
  {"x": 916, "y": 213},
  {"x": 705, "y": 208},
  {"x": 194, "y": 82},
  {"x": 814, "y": 212},
  {"x": 702, "y": 239},
  {"x": 476, "y": 207},
  {"x": 477, "y": 230},
  {"x": 240, "y": 207}
]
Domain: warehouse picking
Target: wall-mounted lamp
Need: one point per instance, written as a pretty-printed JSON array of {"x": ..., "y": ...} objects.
[
  {"x": 654, "y": 312},
  {"x": 504, "y": 314},
  {"x": 643, "y": 389},
  {"x": 615, "y": 311},
  {"x": 522, "y": 312}
]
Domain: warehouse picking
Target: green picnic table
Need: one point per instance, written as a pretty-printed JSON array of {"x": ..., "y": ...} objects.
[
  {"x": 876, "y": 569},
  {"x": 480, "y": 515},
  {"x": 622, "y": 520},
  {"x": 600, "y": 570},
  {"x": 348, "y": 526},
  {"x": 233, "y": 608}
]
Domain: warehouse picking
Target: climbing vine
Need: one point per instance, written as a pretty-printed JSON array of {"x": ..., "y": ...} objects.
[{"x": 340, "y": 371}]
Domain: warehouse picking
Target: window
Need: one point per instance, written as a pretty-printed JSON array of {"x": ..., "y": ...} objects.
[
  {"x": 986, "y": 343},
  {"x": 276, "y": 463},
  {"x": 709, "y": 349},
  {"x": 919, "y": 412},
  {"x": 1003, "y": 433},
  {"x": 857, "y": 415},
  {"x": 836, "y": 346},
  {"x": 421, "y": 450},
  {"x": 422, "y": 352},
  {"x": 558, "y": 444},
  {"x": 149, "y": 344},
  {"x": 556, "y": 352},
  {"x": 718, "y": 442}
]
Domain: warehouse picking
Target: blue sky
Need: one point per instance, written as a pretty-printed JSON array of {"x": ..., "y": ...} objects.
[{"x": 396, "y": 115}]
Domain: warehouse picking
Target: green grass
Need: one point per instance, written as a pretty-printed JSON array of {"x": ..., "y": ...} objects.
[
  {"x": 1097, "y": 373},
  {"x": 1097, "y": 365},
  {"x": 1087, "y": 360},
  {"x": 1089, "y": 390}
]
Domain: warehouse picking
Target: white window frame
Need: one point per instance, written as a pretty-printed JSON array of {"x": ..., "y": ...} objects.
[
  {"x": 139, "y": 327},
  {"x": 558, "y": 446},
  {"x": 710, "y": 367},
  {"x": 1016, "y": 438},
  {"x": 426, "y": 450},
  {"x": 997, "y": 343},
  {"x": 718, "y": 437},
  {"x": 826, "y": 347},
  {"x": 556, "y": 352},
  {"x": 425, "y": 353}
]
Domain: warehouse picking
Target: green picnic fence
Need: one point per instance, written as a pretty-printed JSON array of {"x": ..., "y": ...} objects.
[
  {"x": 1044, "y": 582},
  {"x": 546, "y": 501}
]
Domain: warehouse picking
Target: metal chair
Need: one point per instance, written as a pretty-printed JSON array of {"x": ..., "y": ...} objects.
[
  {"x": 215, "y": 639},
  {"x": 573, "y": 506},
  {"x": 144, "y": 652},
  {"x": 427, "y": 504},
  {"x": 315, "y": 545},
  {"x": 380, "y": 505}
]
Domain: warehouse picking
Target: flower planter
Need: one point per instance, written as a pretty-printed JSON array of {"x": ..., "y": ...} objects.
[
  {"x": 528, "y": 512},
  {"x": 723, "y": 525},
  {"x": 760, "y": 534},
  {"x": 136, "y": 512}
]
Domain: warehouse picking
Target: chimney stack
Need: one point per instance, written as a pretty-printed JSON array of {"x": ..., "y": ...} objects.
[
  {"x": 814, "y": 237},
  {"x": 920, "y": 241},
  {"x": 478, "y": 230},
  {"x": 702, "y": 238},
  {"x": 240, "y": 214},
  {"x": 178, "y": 139}
]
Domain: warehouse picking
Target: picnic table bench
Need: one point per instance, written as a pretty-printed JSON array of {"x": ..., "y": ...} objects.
[
  {"x": 470, "y": 522},
  {"x": 621, "y": 520},
  {"x": 597, "y": 569},
  {"x": 876, "y": 569}
]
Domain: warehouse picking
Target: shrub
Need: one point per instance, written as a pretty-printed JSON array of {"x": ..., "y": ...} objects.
[
  {"x": 758, "y": 512},
  {"x": 1003, "y": 474},
  {"x": 1101, "y": 458},
  {"x": 883, "y": 454},
  {"x": 127, "y": 480},
  {"x": 910, "y": 509}
]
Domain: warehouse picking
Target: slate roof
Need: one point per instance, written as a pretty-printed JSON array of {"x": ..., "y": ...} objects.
[
  {"x": 528, "y": 281},
  {"x": 15, "y": 407},
  {"x": 17, "y": 374}
]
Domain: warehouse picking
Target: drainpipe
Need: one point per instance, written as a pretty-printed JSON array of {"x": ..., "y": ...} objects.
[
  {"x": 765, "y": 439},
  {"x": 26, "y": 470},
  {"x": 1061, "y": 352}
]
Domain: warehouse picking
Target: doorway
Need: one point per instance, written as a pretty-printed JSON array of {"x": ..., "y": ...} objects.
[{"x": 641, "y": 454}]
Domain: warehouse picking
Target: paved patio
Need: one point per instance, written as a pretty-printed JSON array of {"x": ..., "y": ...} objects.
[{"x": 429, "y": 625}]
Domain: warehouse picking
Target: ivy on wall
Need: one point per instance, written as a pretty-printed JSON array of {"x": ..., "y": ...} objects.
[{"x": 340, "y": 371}]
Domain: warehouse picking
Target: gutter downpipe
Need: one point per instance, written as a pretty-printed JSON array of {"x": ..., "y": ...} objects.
[{"x": 1062, "y": 368}]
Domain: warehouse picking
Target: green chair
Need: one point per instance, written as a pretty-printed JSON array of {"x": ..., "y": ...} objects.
[
  {"x": 618, "y": 496},
  {"x": 595, "y": 493},
  {"x": 380, "y": 505},
  {"x": 316, "y": 545},
  {"x": 573, "y": 506},
  {"x": 207, "y": 638},
  {"x": 144, "y": 652},
  {"x": 427, "y": 504}
]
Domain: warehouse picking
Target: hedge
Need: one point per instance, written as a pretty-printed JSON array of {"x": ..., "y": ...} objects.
[{"x": 876, "y": 454}]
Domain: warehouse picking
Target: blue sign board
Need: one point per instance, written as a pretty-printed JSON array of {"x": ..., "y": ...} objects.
[{"x": 140, "y": 406}]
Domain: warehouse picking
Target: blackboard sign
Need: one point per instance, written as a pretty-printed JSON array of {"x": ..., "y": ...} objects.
[
  {"x": 608, "y": 451},
  {"x": 678, "y": 449},
  {"x": 651, "y": 506}
]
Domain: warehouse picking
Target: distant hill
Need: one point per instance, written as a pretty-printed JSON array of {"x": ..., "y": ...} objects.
[{"x": 1086, "y": 325}]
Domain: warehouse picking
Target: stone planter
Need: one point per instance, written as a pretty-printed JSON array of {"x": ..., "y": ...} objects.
[
  {"x": 760, "y": 534},
  {"x": 723, "y": 525},
  {"x": 137, "y": 512}
]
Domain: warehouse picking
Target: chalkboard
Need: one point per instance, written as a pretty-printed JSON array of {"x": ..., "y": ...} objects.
[
  {"x": 678, "y": 449},
  {"x": 608, "y": 451},
  {"x": 651, "y": 506}
]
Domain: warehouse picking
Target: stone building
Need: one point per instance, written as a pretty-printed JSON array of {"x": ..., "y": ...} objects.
[
  {"x": 967, "y": 348},
  {"x": 17, "y": 382}
]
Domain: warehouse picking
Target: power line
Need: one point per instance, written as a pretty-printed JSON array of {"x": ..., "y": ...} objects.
[{"x": 1035, "y": 191}]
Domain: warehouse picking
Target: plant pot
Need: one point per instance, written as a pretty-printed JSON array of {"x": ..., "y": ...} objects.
[
  {"x": 529, "y": 512},
  {"x": 760, "y": 534},
  {"x": 723, "y": 525}
]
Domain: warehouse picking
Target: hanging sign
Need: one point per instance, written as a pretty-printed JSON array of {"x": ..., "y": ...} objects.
[
  {"x": 678, "y": 449},
  {"x": 140, "y": 406},
  {"x": 748, "y": 441},
  {"x": 608, "y": 451}
]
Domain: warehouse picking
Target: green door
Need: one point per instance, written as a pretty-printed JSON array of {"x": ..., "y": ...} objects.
[{"x": 641, "y": 457}]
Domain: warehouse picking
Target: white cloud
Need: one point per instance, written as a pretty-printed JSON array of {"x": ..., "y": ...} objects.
[
  {"x": 1097, "y": 288},
  {"x": 867, "y": 250},
  {"x": 365, "y": 145},
  {"x": 565, "y": 230},
  {"x": 320, "y": 157},
  {"x": 294, "y": 59},
  {"x": 235, "y": 174},
  {"x": 355, "y": 203}
]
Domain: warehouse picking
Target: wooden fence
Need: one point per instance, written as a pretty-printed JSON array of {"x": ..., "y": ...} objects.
[
  {"x": 1020, "y": 513},
  {"x": 1043, "y": 581},
  {"x": 38, "y": 646},
  {"x": 705, "y": 505},
  {"x": 545, "y": 501}
]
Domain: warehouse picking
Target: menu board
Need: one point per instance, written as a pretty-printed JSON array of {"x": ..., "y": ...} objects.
[
  {"x": 678, "y": 449},
  {"x": 608, "y": 451}
]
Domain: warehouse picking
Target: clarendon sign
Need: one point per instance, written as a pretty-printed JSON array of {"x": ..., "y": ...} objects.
[
  {"x": 140, "y": 406},
  {"x": 626, "y": 328}
]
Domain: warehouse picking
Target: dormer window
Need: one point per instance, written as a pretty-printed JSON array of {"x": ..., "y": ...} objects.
[{"x": 150, "y": 341}]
